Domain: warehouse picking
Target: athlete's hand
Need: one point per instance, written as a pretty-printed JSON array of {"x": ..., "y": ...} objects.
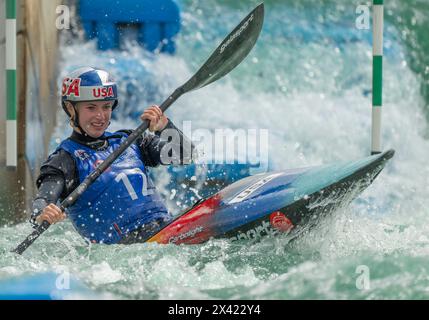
[
  {"x": 158, "y": 121},
  {"x": 52, "y": 214}
]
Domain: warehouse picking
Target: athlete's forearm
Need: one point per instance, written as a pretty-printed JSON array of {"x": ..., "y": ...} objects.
[{"x": 50, "y": 191}]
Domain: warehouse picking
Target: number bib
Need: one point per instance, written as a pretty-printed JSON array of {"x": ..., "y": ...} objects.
[{"x": 121, "y": 200}]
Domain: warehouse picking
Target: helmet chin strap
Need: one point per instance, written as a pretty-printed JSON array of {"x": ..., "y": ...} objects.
[{"x": 76, "y": 121}]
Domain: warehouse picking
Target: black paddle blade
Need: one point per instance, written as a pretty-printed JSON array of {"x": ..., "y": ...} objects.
[{"x": 234, "y": 48}]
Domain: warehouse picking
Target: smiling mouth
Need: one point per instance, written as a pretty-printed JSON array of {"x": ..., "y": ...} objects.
[{"x": 98, "y": 125}]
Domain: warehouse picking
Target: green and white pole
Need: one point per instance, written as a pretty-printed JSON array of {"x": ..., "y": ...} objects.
[
  {"x": 11, "y": 109},
  {"x": 377, "y": 75}
]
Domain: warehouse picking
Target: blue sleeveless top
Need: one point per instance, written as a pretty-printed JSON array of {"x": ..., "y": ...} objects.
[{"x": 121, "y": 200}]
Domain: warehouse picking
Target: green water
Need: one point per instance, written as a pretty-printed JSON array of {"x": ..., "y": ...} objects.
[
  {"x": 412, "y": 21},
  {"x": 269, "y": 269}
]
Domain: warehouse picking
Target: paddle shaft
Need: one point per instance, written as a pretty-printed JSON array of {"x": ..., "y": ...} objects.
[{"x": 72, "y": 197}]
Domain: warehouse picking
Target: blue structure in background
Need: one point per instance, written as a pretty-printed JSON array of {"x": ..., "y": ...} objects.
[{"x": 155, "y": 22}]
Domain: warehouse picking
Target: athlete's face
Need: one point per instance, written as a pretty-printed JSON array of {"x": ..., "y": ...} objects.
[{"x": 94, "y": 116}]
